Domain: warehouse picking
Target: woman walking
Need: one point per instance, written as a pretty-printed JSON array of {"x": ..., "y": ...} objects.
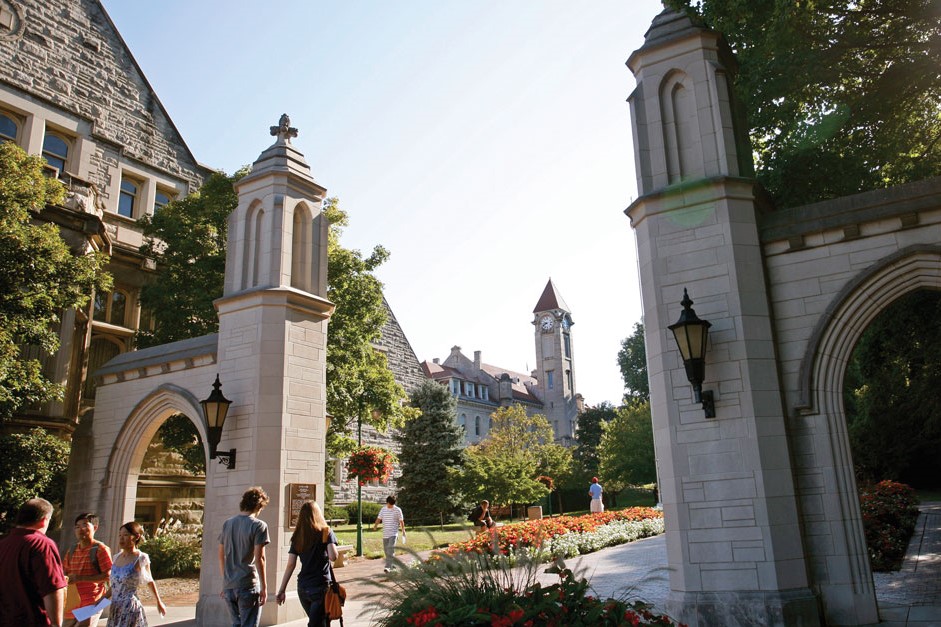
[
  {"x": 315, "y": 543},
  {"x": 130, "y": 568}
]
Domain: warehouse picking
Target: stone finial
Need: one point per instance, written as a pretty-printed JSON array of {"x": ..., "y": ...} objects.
[{"x": 284, "y": 131}]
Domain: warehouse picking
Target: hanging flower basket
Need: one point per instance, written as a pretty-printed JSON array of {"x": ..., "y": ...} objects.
[
  {"x": 370, "y": 463},
  {"x": 546, "y": 481}
]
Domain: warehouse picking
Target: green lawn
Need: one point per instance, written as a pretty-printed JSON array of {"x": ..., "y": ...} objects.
[
  {"x": 418, "y": 538},
  {"x": 928, "y": 494}
]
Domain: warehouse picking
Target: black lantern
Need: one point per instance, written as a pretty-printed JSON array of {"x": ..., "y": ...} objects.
[
  {"x": 691, "y": 334},
  {"x": 215, "y": 409}
]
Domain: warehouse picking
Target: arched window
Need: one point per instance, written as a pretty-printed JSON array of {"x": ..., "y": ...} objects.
[
  {"x": 8, "y": 128},
  {"x": 161, "y": 200},
  {"x": 477, "y": 426},
  {"x": 56, "y": 151},
  {"x": 111, "y": 307},
  {"x": 302, "y": 259}
]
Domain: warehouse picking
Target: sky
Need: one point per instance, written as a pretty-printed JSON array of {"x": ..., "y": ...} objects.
[{"x": 485, "y": 144}]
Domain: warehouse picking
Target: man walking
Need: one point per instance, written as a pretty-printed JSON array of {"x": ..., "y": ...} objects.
[
  {"x": 32, "y": 582},
  {"x": 392, "y": 519},
  {"x": 242, "y": 560},
  {"x": 88, "y": 566}
]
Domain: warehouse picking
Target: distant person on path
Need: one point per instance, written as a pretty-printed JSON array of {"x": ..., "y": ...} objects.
[
  {"x": 594, "y": 491},
  {"x": 130, "y": 569},
  {"x": 392, "y": 519},
  {"x": 88, "y": 566},
  {"x": 314, "y": 543},
  {"x": 32, "y": 582},
  {"x": 242, "y": 560}
]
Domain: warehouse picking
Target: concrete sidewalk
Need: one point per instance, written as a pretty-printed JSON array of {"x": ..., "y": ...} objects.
[{"x": 911, "y": 596}]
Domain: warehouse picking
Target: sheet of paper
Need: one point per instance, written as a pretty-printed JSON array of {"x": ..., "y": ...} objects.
[{"x": 84, "y": 613}]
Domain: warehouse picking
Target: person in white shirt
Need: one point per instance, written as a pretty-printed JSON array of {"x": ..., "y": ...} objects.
[
  {"x": 594, "y": 491},
  {"x": 392, "y": 520}
]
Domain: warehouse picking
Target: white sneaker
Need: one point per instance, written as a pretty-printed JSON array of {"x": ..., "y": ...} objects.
[{"x": 387, "y": 570}]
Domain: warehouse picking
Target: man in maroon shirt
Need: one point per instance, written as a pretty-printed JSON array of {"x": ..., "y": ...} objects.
[{"x": 32, "y": 583}]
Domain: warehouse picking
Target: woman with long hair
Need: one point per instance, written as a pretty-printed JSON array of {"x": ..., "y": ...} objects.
[
  {"x": 130, "y": 568},
  {"x": 314, "y": 543}
]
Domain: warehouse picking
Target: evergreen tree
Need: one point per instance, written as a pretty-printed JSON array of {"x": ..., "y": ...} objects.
[
  {"x": 431, "y": 456},
  {"x": 588, "y": 438},
  {"x": 632, "y": 360},
  {"x": 39, "y": 278}
]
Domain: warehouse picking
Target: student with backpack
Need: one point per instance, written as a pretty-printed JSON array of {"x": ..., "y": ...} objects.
[{"x": 88, "y": 567}]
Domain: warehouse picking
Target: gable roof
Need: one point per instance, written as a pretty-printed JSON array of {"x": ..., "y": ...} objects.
[{"x": 551, "y": 299}]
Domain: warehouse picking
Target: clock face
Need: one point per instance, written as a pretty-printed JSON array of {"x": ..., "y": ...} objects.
[{"x": 546, "y": 323}]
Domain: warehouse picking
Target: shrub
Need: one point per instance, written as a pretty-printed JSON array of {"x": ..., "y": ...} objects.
[
  {"x": 173, "y": 554},
  {"x": 889, "y": 510},
  {"x": 336, "y": 512},
  {"x": 472, "y": 590},
  {"x": 370, "y": 511},
  {"x": 33, "y": 464}
]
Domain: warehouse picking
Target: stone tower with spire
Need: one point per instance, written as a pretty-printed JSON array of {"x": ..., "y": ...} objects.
[
  {"x": 555, "y": 362},
  {"x": 734, "y": 540}
]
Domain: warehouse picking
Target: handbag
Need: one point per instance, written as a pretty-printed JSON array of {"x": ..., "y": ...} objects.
[{"x": 335, "y": 596}]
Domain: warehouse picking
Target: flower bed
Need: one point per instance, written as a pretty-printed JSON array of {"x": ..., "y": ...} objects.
[
  {"x": 566, "y": 536},
  {"x": 889, "y": 510}
]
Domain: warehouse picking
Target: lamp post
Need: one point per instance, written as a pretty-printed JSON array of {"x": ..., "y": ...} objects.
[
  {"x": 215, "y": 409},
  {"x": 691, "y": 333},
  {"x": 359, "y": 489}
]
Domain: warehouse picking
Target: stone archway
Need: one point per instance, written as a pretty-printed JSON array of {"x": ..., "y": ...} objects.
[{"x": 127, "y": 454}]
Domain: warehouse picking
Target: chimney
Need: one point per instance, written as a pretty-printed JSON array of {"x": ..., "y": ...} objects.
[
  {"x": 436, "y": 361},
  {"x": 477, "y": 360}
]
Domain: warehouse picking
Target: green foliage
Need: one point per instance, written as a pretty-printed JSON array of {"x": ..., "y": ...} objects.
[
  {"x": 588, "y": 438},
  {"x": 187, "y": 238},
  {"x": 841, "y": 96},
  {"x": 179, "y": 434},
  {"x": 626, "y": 451},
  {"x": 504, "y": 466},
  {"x": 632, "y": 360},
  {"x": 890, "y": 511},
  {"x": 39, "y": 278},
  {"x": 891, "y": 393},
  {"x": 33, "y": 464},
  {"x": 477, "y": 591},
  {"x": 335, "y": 512},
  {"x": 173, "y": 554},
  {"x": 370, "y": 511},
  {"x": 432, "y": 454}
]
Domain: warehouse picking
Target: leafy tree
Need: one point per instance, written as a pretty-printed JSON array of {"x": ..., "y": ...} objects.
[
  {"x": 626, "y": 451},
  {"x": 33, "y": 464},
  {"x": 431, "y": 456},
  {"x": 39, "y": 278},
  {"x": 632, "y": 359},
  {"x": 891, "y": 391},
  {"x": 588, "y": 438},
  {"x": 842, "y": 96},
  {"x": 504, "y": 466},
  {"x": 180, "y": 435},
  {"x": 188, "y": 240}
]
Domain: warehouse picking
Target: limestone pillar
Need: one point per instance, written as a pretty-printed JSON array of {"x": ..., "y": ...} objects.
[
  {"x": 733, "y": 529},
  {"x": 272, "y": 360}
]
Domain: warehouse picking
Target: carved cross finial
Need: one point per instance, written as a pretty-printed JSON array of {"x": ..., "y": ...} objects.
[{"x": 284, "y": 131}]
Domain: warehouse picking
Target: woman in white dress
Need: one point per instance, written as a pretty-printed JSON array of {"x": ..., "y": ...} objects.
[{"x": 130, "y": 569}]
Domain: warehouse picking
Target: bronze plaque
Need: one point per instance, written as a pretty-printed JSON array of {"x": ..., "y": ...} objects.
[{"x": 298, "y": 494}]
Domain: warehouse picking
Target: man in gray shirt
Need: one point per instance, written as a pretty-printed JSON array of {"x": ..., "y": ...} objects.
[{"x": 242, "y": 560}]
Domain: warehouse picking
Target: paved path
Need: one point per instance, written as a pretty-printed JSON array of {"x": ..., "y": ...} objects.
[{"x": 910, "y": 597}]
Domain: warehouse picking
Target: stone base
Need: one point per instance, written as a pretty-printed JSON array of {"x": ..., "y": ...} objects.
[{"x": 789, "y": 608}]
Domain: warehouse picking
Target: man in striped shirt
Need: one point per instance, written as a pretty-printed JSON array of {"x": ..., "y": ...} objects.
[{"x": 392, "y": 519}]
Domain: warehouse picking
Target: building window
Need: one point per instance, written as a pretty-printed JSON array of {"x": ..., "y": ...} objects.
[
  {"x": 111, "y": 307},
  {"x": 127, "y": 201},
  {"x": 477, "y": 419},
  {"x": 550, "y": 379},
  {"x": 161, "y": 200},
  {"x": 55, "y": 151},
  {"x": 147, "y": 320},
  {"x": 463, "y": 422},
  {"x": 490, "y": 424},
  {"x": 485, "y": 392},
  {"x": 470, "y": 390},
  {"x": 100, "y": 351},
  {"x": 477, "y": 426},
  {"x": 8, "y": 128},
  {"x": 568, "y": 344},
  {"x": 568, "y": 377}
]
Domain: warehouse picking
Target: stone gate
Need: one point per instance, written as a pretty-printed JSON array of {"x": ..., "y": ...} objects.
[{"x": 762, "y": 515}]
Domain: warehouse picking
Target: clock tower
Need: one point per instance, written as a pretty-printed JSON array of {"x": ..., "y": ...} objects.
[{"x": 555, "y": 360}]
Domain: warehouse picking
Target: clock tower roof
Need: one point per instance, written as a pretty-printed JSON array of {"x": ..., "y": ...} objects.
[{"x": 551, "y": 300}]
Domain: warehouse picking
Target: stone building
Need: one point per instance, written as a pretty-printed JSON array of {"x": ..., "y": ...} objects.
[
  {"x": 71, "y": 91},
  {"x": 481, "y": 388}
]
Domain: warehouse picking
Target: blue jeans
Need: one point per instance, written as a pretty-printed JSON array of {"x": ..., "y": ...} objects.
[
  {"x": 311, "y": 598},
  {"x": 388, "y": 546},
  {"x": 243, "y": 606}
]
